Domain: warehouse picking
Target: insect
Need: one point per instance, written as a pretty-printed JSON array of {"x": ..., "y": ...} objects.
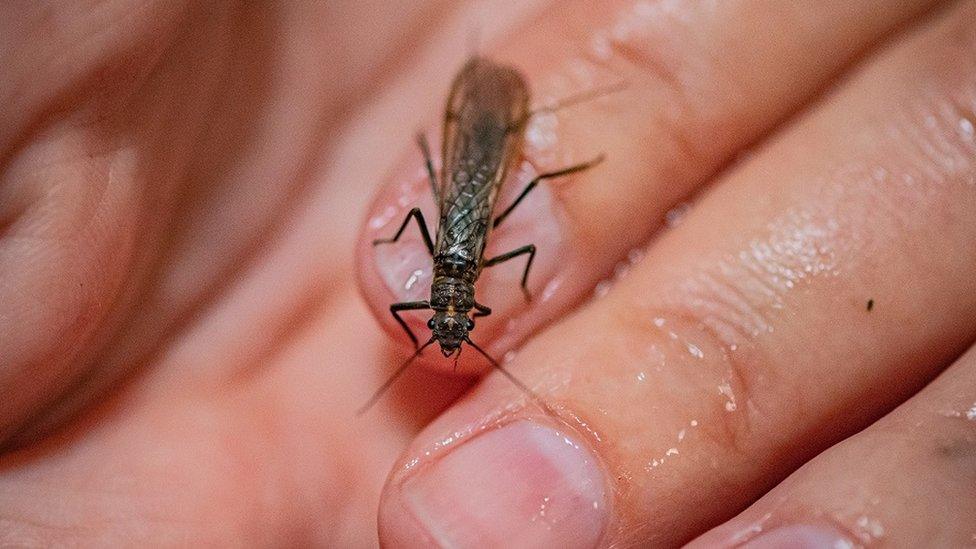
[{"x": 486, "y": 115}]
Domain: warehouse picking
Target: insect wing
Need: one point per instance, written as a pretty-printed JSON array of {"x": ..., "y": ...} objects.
[{"x": 482, "y": 134}]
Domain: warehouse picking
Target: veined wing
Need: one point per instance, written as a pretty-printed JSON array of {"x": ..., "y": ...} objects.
[{"x": 482, "y": 135}]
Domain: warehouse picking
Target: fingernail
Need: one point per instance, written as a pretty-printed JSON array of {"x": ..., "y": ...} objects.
[
  {"x": 799, "y": 537},
  {"x": 523, "y": 485},
  {"x": 406, "y": 266},
  {"x": 403, "y": 266}
]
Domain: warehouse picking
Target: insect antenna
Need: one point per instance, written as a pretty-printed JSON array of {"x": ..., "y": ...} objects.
[
  {"x": 389, "y": 382},
  {"x": 578, "y": 98},
  {"x": 523, "y": 387}
]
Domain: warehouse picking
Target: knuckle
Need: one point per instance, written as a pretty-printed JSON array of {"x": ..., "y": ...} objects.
[
  {"x": 735, "y": 308},
  {"x": 937, "y": 119},
  {"x": 680, "y": 78},
  {"x": 705, "y": 339},
  {"x": 674, "y": 108}
]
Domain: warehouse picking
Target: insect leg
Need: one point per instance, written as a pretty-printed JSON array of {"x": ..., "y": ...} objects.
[
  {"x": 482, "y": 310},
  {"x": 419, "y": 216},
  {"x": 542, "y": 177},
  {"x": 425, "y": 150},
  {"x": 577, "y": 99},
  {"x": 407, "y": 306},
  {"x": 528, "y": 249}
]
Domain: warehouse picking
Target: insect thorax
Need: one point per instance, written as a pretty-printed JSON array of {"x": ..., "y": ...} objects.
[{"x": 453, "y": 285}]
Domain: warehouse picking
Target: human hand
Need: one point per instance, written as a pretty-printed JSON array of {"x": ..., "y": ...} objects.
[{"x": 190, "y": 227}]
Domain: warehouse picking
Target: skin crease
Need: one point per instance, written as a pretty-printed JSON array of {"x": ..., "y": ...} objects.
[{"x": 184, "y": 217}]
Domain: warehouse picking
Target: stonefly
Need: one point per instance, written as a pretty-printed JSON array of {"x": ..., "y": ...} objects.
[{"x": 486, "y": 115}]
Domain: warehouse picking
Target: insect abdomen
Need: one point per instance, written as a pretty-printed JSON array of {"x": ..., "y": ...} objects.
[{"x": 449, "y": 293}]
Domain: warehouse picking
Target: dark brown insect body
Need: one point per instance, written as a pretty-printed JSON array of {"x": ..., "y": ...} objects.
[
  {"x": 482, "y": 138},
  {"x": 486, "y": 114}
]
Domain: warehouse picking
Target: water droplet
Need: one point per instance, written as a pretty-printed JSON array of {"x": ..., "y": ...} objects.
[
  {"x": 694, "y": 423},
  {"x": 681, "y": 435},
  {"x": 971, "y": 413},
  {"x": 550, "y": 289},
  {"x": 383, "y": 218},
  {"x": 869, "y": 529},
  {"x": 411, "y": 464},
  {"x": 659, "y": 322},
  {"x": 641, "y": 376},
  {"x": 414, "y": 277},
  {"x": 966, "y": 128},
  {"x": 671, "y": 452},
  {"x": 541, "y": 133},
  {"x": 695, "y": 351},
  {"x": 726, "y": 390}
]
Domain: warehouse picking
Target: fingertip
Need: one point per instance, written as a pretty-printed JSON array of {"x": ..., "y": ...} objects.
[
  {"x": 391, "y": 272},
  {"x": 523, "y": 484},
  {"x": 398, "y": 528},
  {"x": 401, "y": 271}
]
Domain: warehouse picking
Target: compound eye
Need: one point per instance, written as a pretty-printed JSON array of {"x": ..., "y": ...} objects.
[
  {"x": 430, "y": 324},
  {"x": 470, "y": 324}
]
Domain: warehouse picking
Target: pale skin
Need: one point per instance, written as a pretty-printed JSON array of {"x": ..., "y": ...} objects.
[{"x": 191, "y": 308}]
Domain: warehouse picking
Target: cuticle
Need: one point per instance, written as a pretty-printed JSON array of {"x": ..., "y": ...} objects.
[
  {"x": 438, "y": 449},
  {"x": 764, "y": 525},
  {"x": 522, "y": 412},
  {"x": 504, "y": 418}
]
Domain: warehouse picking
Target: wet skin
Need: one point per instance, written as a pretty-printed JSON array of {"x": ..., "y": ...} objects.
[{"x": 190, "y": 298}]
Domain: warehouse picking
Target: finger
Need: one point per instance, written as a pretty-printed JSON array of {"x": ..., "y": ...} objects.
[
  {"x": 906, "y": 482},
  {"x": 742, "y": 344},
  {"x": 71, "y": 213},
  {"x": 703, "y": 83},
  {"x": 72, "y": 46},
  {"x": 167, "y": 462},
  {"x": 136, "y": 179}
]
